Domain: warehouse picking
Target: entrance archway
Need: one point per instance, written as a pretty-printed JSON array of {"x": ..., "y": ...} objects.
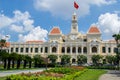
[{"x": 73, "y": 60}]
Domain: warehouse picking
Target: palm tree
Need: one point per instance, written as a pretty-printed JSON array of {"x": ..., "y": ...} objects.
[
  {"x": 4, "y": 56},
  {"x": 65, "y": 59},
  {"x": 29, "y": 59},
  {"x": 37, "y": 60},
  {"x": 96, "y": 59},
  {"x": 117, "y": 39},
  {"x": 52, "y": 58},
  {"x": 19, "y": 59},
  {"x": 9, "y": 61},
  {"x": 25, "y": 61},
  {"x": 81, "y": 59},
  {"x": 14, "y": 58}
]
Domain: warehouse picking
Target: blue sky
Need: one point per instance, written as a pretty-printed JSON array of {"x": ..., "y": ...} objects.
[{"x": 24, "y": 20}]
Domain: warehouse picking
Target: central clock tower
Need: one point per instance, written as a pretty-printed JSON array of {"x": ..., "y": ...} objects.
[{"x": 74, "y": 25}]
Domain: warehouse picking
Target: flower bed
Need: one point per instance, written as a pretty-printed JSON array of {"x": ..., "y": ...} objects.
[{"x": 63, "y": 73}]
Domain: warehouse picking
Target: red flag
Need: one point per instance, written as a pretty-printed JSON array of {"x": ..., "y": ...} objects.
[{"x": 76, "y": 5}]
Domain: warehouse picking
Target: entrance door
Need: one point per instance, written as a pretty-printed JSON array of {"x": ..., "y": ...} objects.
[{"x": 73, "y": 60}]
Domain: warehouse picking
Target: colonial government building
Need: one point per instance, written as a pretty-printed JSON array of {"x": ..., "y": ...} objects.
[{"x": 72, "y": 44}]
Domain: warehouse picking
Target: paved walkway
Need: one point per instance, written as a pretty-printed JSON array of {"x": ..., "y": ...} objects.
[
  {"x": 7, "y": 73},
  {"x": 111, "y": 75}
]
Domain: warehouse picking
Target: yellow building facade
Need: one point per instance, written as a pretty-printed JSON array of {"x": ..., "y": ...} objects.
[{"x": 73, "y": 44}]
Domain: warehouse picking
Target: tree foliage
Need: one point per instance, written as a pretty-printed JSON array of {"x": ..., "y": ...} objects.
[
  {"x": 81, "y": 59},
  {"x": 96, "y": 59},
  {"x": 52, "y": 58},
  {"x": 65, "y": 59}
]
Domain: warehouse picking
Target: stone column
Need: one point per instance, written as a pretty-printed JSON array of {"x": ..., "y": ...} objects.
[
  {"x": 82, "y": 50},
  {"x": 43, "y": 49},
  {"x": 76, "y": 50},
  {"x": 50, "y": 49},
  {"x": 58, "y": 49},
  {"x": 99, "y": 49},
  {"x": 65, "y": 50},
  {"x": 90, "y": 47},
  {"x": 106, "y": 49},
  {"x": 112, "y": 49},
  {"x": 70, "y": 49},
  {"x": 39, "y": 49}
]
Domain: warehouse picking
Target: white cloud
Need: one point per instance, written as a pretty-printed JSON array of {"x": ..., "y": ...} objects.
[
  {"x": 4, "y": 21},
  {"x": 109, "y": 24},
  {"x": 36, "y": 34},
  {"x": 20, "y": 24},
  {"x": 65, "y": 8},
  {"x": 17, "y": 28}
]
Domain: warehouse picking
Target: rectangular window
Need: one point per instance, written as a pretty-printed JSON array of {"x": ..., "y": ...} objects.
[
  {"x": 16, "y": 50},
  {"x": 27, "y": 49},
  {"x": 103, "y": 50},
  {"x": 46, "y": 49},
  {"x": 12, "y": 49},
  {"x": 36, "y": 50},
  {"x": 115, "y": 50},
  {"x": 109, "y": 50},
  {"x": 31, "y": 50},
  {"x": 41, "y": 50},
  {"x": 21, "y": 50}
]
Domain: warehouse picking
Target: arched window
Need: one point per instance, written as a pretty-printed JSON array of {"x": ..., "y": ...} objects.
[
  {"x": 54, "y": 49},
  {"x": 79, "y": 49},
  {"x": 85, "y": 49},
  {"x": 94, "y": 50},
  {"x": 68, "y": 49},
  {"x": 63, "y": 50},
  {"x": 74, "y": 50}
]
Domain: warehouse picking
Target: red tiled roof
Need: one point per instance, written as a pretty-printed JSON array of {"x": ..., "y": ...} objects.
[
  {"x": 7, "y": 44},
  {"x": 55, "y": 30},
  {"x": 34, "y": 42},
  {"x": 94, "y": 29},
  {"x": 112, "y": 41}
]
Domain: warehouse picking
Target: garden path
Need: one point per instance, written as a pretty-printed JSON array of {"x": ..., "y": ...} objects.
[
  {"x": 10, "y": 72},
  {"x": 111, "y": 75}
]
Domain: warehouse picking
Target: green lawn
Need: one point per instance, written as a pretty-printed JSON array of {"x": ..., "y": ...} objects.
[
  {"x": 2, "y": 78},
  {"x": 91, "y": 74}
]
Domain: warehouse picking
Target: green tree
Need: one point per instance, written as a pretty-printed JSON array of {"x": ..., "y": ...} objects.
[
  {"x": 9, "y": 61},
  {"x": 96, "y": 59},
  {"x": 117, "y": 39},
  {"x": 29, "y": 59},
  {"x": 52, "y": 58},
  {"x": 4, "y": 56},
  {"x": 19, "y": 59},
  {"x": 110, "y": 59},
  {"x": 25, "y": 59},
  {"x": 65, "y": 59},
  {"x": 37, "y": 60},
  {"x": 81, "y": 59},
  {"x": 14, "y": 58}
]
